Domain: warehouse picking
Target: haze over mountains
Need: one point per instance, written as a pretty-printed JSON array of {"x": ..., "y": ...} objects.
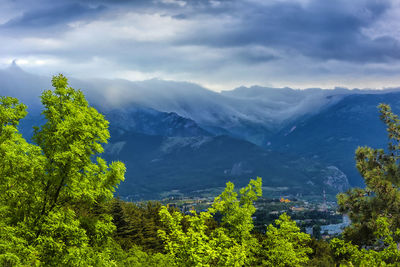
[{"x": 180, "y": 138}]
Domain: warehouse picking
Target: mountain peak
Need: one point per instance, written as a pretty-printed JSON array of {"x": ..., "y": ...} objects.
[{"x": 14, "y": 66}]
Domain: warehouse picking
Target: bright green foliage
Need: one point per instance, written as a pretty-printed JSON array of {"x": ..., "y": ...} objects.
[
  {"x": 14, "y": 249},
  {"x": 232, "y": 243},
  {"x": 381, "y": 197},
  {"x": 228, "y": 245},
  {"x": 137, "y": 257},
  {"x": 50, "y": 190},
  {"x": 237, "y": 213},
  {"x": 285, "y": 245},
  {"x": 72, "y": 135},
  {"x": 20, "y": 165},
  {"x": 383, "y": 253}
]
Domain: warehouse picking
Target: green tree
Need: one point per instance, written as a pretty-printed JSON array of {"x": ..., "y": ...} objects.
[
  {"x": 383, "y": 253},
  {"x": 137, "y": 225},
  {"x": 322, "y": 254},
  {"x": 285, "y": 245},
  {"x": 137, "y": 257},
  {"x": 51, "y": 187},
  {"x": 381, "y": 196},
  {"x": 231, "y": 244},
  {"x": 316, "y": 231}
]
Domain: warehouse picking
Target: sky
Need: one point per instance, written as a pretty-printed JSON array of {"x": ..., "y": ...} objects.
[{"x": 217, "y": 44}]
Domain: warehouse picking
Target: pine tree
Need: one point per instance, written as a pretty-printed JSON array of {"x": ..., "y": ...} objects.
[{"x": 381, "y": 196}]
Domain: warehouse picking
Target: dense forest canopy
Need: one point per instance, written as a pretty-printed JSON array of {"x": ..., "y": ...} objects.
[{"x": 58, "y": 208}]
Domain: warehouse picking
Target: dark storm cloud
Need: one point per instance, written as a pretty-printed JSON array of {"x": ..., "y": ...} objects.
[
  {"x": 199, "y": 40},
  {"x": 39, "y": 18},
  {"x": 319, "y": 29}
]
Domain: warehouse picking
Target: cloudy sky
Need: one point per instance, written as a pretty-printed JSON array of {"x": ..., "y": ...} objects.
[{"x": 218, "y": 44}]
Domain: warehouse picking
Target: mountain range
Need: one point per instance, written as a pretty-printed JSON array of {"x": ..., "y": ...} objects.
[{"x": 178, "y": 138}]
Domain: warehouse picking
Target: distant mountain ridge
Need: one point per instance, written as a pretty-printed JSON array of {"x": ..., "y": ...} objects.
[
  {"x": 153, "y": 122},
  {"x": 253, "y": 113},
  {"x": 180, "y": 138}
]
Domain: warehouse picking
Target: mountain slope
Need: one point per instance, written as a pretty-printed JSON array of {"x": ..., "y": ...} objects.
[
  {"x": 333, "y": 135},
  {"x": 152, "y": 122},
  {"x": 172, "y": 165}
]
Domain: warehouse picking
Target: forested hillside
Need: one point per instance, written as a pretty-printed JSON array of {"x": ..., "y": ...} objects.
[{"x": 58, "y": 206}]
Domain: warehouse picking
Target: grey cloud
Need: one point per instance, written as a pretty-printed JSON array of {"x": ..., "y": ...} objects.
[
  {"x": 40, "y": 19},
  {"x": 322, "y": 30},
  {"x": 219, "y": 41}
]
